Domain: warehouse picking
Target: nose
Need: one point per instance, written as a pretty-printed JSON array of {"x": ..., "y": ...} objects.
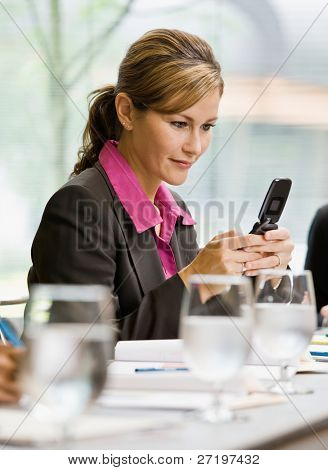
[{"x": 193, "y": 144}]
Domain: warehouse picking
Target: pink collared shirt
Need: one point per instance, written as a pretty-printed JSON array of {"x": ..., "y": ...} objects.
[{"x": 140, "y": 209}]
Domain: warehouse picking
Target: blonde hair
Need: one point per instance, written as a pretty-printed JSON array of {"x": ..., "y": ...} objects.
[{"x": 166, "y": 70}]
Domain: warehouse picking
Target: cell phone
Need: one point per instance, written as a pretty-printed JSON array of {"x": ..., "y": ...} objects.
[{"x": 273, "y": 206}]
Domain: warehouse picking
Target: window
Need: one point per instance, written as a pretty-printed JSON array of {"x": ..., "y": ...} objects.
[{"x": 273, "y": 118}]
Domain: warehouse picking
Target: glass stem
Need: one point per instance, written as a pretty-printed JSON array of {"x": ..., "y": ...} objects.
[
  {"x": 65, "y": 435},
  {"x": 217, "y": 412},
  {"x": 216, "y": 403},
  {"x": 283, "y": 373}
]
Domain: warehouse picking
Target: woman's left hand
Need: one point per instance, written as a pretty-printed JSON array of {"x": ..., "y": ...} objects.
[{"x": 277, "y": 252}]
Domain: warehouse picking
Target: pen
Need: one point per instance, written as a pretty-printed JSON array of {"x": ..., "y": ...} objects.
[
  {"x": 2, "y": 337},
  {"x": 161, "y": 369},
  {"x": 7, "y": 333},
  {"x": 317, "y": 353}
]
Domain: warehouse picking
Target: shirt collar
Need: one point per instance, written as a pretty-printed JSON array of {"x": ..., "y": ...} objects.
[{"x": 132, "y": 196}]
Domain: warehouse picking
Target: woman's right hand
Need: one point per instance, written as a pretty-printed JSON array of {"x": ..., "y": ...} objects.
[
  {"x": 223, "y": 255},
  {"x": 9, "y": 388}
]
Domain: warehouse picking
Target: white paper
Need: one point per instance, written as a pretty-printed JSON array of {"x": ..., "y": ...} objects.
[
  {"x": 184, "y": 401},
  {"x": 122, "y": 376},
  {"x": 171, "y": 350},
  {"x": 315, "y": 367},
  {"x": 168, "y": 350}
]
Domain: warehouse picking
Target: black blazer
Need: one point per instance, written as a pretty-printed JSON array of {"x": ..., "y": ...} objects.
[
  {"x": 317, "y": 256},
  {"x": 86, "y": 237}
]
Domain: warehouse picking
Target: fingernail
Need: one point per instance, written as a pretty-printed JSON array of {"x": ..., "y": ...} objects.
[{"x": 250, "y": 273}]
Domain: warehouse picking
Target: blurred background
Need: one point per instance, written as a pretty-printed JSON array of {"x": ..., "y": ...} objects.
[{"x": 273, "y": 116}]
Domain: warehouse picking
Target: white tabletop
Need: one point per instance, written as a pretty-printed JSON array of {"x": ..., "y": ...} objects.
[{"x": 276, "y": 426}]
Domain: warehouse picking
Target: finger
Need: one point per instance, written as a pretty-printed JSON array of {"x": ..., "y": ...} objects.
[
  {"x": 11, "y": 350},
  {"x": 235, "y": 243},
  {"x": 9, "y": 391},
  {"x": 280, "y": 234},
  {"x": 237, "y": 268},
  {"x": 263, "y": 263},
  {"x": 251, "y": 273},
  {"x": 7, "y": 363},
  {"x": 8, "y": 348},
  {"x": 13, "y": 354},
  {"x": 6, "y": 397},
  {"x": 242, "y": 257},
  {"x": 8, "y": 385},
  {"x": 16, "y": 353},
  {"x": 271, "y": 247}
]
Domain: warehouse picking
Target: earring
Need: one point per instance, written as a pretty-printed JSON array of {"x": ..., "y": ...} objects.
[{"x": 127, "y": 127}]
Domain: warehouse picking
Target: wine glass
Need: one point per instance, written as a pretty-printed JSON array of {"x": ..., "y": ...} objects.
[
  {"x": 216, "y": 325},
  {"x": 69, "y": 339},
  {"x": 285, "y": 320}
]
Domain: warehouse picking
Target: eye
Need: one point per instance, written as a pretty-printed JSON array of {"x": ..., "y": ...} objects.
[
  {"x": 179, "y": 124},
  {"x": 207, "y": 127}
]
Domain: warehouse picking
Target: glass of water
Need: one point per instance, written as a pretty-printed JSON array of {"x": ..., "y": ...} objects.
[
  {"x": 285, "y": 319},
  {"x": 69, "y": 338},
  {"x": 216, "y": 326}
]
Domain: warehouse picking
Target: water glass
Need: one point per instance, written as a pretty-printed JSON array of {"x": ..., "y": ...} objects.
[
  {"x": 216, "y": 326},
  {"x": 69, "y": 338},
  {"x": 285, "y": 316}
]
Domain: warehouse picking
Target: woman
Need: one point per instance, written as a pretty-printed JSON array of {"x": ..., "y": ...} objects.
[
  {"x": 115, "y": 222},
  {"x": 9, "y": 389},
  {"x": 317, "y": 261}
]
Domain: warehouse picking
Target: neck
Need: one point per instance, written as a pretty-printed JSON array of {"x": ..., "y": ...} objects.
[{"x": 149, "y": 183}]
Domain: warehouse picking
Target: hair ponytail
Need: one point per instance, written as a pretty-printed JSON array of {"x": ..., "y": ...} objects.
[{"x": 102, "y": 125}]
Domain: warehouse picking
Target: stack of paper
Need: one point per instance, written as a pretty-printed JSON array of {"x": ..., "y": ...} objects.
[
  {"x": 153, "y": 374},
  {"x": 168, "y": 350},
  {"x": 318, "y": 348},
  {"x": 171, "y": 350}
]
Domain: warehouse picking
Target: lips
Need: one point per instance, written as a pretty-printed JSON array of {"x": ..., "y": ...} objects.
[{"x": 182, "y": 163}]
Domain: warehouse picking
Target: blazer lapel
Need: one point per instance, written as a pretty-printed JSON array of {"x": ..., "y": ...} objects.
[
  {"x": 143, "y": 251},
  {"x": 176, "y": 250},
  {"x": 141, "y": 246}
]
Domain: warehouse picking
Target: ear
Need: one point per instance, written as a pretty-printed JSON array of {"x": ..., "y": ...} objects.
[{"x": 124, "y": 110}]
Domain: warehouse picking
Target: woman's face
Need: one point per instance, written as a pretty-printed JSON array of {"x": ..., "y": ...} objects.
[{"x": 165, "y": 146}]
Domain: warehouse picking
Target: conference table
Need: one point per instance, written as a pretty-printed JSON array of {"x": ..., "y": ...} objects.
[{"x": 301, "y": 422}]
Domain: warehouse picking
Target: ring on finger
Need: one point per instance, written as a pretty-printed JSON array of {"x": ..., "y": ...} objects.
[{"x": 279, "y": 260}]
